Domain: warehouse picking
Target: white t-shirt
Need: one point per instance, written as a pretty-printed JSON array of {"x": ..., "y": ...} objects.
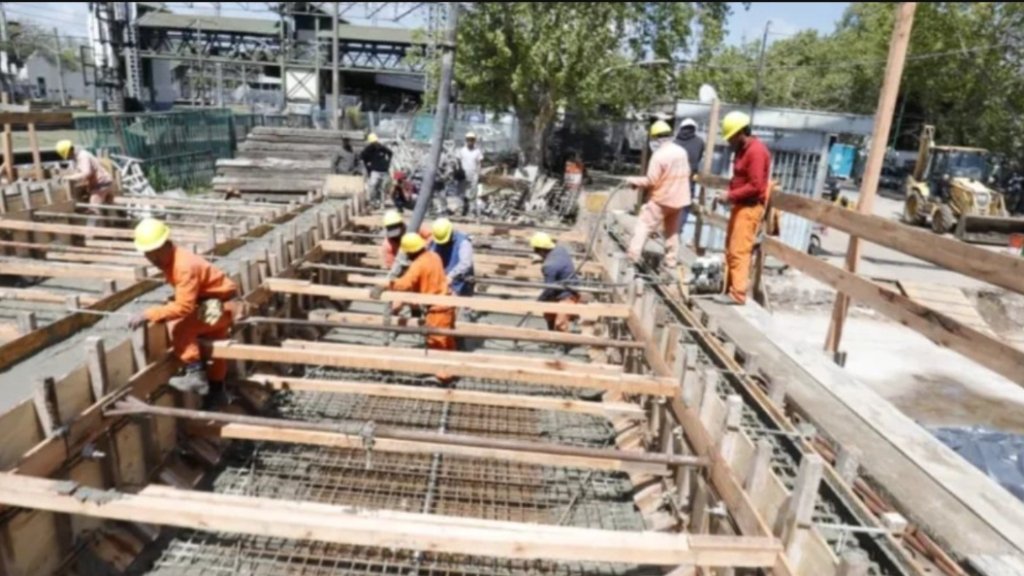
[{"x": 470, "y": 159}]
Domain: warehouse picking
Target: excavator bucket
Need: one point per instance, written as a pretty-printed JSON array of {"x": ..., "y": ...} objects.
[{"x": 995, "y": 230}]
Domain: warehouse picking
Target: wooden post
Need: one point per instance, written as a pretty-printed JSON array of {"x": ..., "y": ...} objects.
[
  {"x": 33, "y": 142},
  {"x": 876, "y": 156},
  {"x": 45, "y": 398},
  {"x": 854, "y": 563},
  {"x": 799, "y": 510},
  {"x": 27, "y": 322},
  {"x": 140, "y": 339},
  {"x": 97, "y": 360},
  {"x": 731, "y": 436},
  {"x": 9, "y": 148},
  {"x": 709, "y": 157},
  {"x": 760, "y": 469}
]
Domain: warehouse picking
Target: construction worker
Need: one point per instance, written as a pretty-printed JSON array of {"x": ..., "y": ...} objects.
[
  {"x": 558, "y": 269},
  {"x": 425, "y": 275},
  {"x": 89, "y": 173},
  {"x": 377, "y": 159},
  {"x": 467, "y": 173},
  {"x": 394, "y": 229},
  {"x": 345, "y": 162},
  {"x": 403, "y": 191},
  {"x": 201, "y": 306},
  {"x": 694, "y": 146},
  {"x": 668, "y": 184},
  {"x": 456, "y": 251},
  {"x": 748, "y": 195}
]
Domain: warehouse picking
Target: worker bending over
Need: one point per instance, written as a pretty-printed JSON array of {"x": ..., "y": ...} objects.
[
  {"x": 91, "y": 175},
  {"x": 394, "y": 229},
  {"x": 425, "y": 275},
  {"x": 377, "y": 159},
  {"x": 558, "y": 269},
  {"x": 668, "y": 184},
  {"x": 748, "y": 195},
  {"x": 456, "y": 251},
  {"x": 201, "y": 306}
]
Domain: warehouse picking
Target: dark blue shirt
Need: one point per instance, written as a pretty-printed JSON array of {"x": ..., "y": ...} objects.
[{"x": 558, "y": 268}]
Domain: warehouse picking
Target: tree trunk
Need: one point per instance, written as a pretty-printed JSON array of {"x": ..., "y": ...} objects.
[{"x": 533, "y": 135}]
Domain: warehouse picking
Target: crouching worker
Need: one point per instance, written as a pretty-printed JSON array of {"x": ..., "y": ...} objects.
[
  {"x": 558, "y": 269},
  {"x": 90, "y": 175},
  {"x": 200, "y": 308},
  {"x": 425, "y": 275}
]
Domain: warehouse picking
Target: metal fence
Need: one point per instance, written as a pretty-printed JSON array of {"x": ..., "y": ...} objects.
[
  {"x": 176, "y": 149},
  {"x": 493, "y": 137}
]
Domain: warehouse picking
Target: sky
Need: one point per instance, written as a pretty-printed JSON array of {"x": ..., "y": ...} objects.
[{"x": 745, "y": 24}]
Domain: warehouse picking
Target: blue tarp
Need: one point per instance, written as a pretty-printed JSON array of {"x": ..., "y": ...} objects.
[{"x": 998, "y": 454}]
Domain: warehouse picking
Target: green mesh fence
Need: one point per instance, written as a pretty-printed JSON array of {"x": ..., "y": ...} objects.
[{"x": 177, "y": 149}]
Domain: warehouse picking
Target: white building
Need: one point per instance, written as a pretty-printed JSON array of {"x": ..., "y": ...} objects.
[{"x": 39, "y": 78}]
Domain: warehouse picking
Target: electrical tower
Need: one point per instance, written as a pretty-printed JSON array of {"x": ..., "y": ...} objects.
[{"x": 107, "y": 23}]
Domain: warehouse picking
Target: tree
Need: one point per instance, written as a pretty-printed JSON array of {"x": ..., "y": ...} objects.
[
  {"x": 27, "y": 38},
  {"x": 539, "y": 58}
]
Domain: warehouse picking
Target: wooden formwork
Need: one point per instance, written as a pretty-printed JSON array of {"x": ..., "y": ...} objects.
[
  {"x": 70, "y": 432},
  {"x": 97, "y": 267}
]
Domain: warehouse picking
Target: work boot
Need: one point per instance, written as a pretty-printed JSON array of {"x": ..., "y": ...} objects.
[
  {"x": 194, "y": 380},
  {"x": 725, "y": 300}
]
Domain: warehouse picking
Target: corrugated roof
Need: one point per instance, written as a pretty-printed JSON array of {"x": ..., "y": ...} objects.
[
  {"x": 374, "y": 34},
  {"x": 210, "y": 23}
]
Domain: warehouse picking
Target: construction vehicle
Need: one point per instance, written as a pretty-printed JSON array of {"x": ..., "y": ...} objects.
[{"x": 949, "y": 190}]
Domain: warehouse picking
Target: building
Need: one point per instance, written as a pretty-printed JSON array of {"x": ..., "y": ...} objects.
[{"x": 39, "y": 78}]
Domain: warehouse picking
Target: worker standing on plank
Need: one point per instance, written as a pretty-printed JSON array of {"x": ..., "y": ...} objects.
[
  {"x": 467, "y": 173},
  {"x": 98, "y": 183},
  {"x": 668, "y": 184},
  {"x": 748, "y": 195},
  {"x": 694, "y": 146},
  {"x": 394, "y": 229},
  {"x": 377, "y": 159},
  {"x": 456, "y": 251},
  {"x": 201, "y": 306},
  {"x": 558, "y": 269},
  {"x": 425, "y": 276}
]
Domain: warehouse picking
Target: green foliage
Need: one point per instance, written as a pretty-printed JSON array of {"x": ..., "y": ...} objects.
[
  {"x": 964, "y": 72},
  {"x": 537, "y": 58},
  {"x": 28, "y": 37}
]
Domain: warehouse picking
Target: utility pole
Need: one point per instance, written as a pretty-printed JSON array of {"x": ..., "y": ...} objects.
[
  {"x": 760, "y": 71},
  {"x": 5, "y": 58},
  {"x": 60, "y": 68},
  {"x": 444, "y": 91},
  {"x": 876, "y": 156},
  {"x": 335, "y": 72}
]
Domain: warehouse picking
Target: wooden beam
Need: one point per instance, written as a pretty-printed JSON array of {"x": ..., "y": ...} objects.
[
  {"x": 33, "y": 142},
  {"x": 43, "y": 296},
  {"x": 89, "y": 231},
  {"x": 521, "y": 232},
  {"x": 622, "y": 383},
  {"x": 898, "y": 46},
  {"x": 18, "y": 267},
  {"x": 986, "y": 350},
  {"x": 606, "y": 409},
  {"x": 988, "y": 266},
  {"x": 378, "y": 528},
  {"x": 54, "y": 119},
  {"x": 486, "y": 331},
  {"x": 587, "y": 311},
  {"x": 479, "y": 257}
]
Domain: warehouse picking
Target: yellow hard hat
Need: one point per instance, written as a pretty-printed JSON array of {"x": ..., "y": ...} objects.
[
  {"x": 151, "y": 234},
  {"x": 733, "y": 123},
  {"x": 372, "y": 138},
  {"x": 392, "y": 218},
  {"x": 542, "y": 241},
  {"x": 413, "y": 243},
  {"x": 64, "y": 148},
  {"x": 660, "y": 128},
  {"x": 470, "y": 135},
  {"x": 442, "y": 231}
]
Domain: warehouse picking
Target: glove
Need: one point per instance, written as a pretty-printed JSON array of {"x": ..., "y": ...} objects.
[
  {"x": 138, "y": 321},
  {"x": 210, "y": 311},
  {"x": 376, "y": 292}
]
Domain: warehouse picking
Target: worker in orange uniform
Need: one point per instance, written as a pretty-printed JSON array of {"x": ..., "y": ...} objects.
[
  {"x": 558, "y": 270},
  {"x": 748, "y": 195},
  {"x": 394, "y": 229},
  {"x": 98, "y": 183},
  {"x": 668, "y": 184},
  {"x": 425, "y": 275},
  {"x": 201, "y": 306}
]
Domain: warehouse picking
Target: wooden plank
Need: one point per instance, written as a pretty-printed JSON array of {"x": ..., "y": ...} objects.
[
  {"x": 522, "y": 233},
  {"x": 21, "y": 430},
  {"x": 587, "y": 311},
  {"x": 624, "y": 383},
  {"x": 988, "y": 266},
  {"x": 479, "y": 257},
  {"x": 937, "y": 327},
  {"x": 53, "y": 119},
  {"x": 25, "y": 267},
  {"x": 43, "y": 296},
  {"x": 950, "y": 300},
  {"x": 607, "y": 409},
  {"x": 123, "y": 260},
  {"x": 434, "y": 533},
  {"x": 491, "y": 331},
  {"x": 87, "y": 231}
]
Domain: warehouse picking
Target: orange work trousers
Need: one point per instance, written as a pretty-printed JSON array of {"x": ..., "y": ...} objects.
[
  {"x": 739, "y": 247},
  {"x": 560, "y": 322},
  {"x": 441, "y": 318},
  {"x": 185, "y": 335}
]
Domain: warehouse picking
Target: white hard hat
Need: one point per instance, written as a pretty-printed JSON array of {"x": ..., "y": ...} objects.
[{"x": 688, "y": 122}]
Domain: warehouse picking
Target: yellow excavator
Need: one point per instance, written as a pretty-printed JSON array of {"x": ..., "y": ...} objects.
[{"x": 949, "y": 190}]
